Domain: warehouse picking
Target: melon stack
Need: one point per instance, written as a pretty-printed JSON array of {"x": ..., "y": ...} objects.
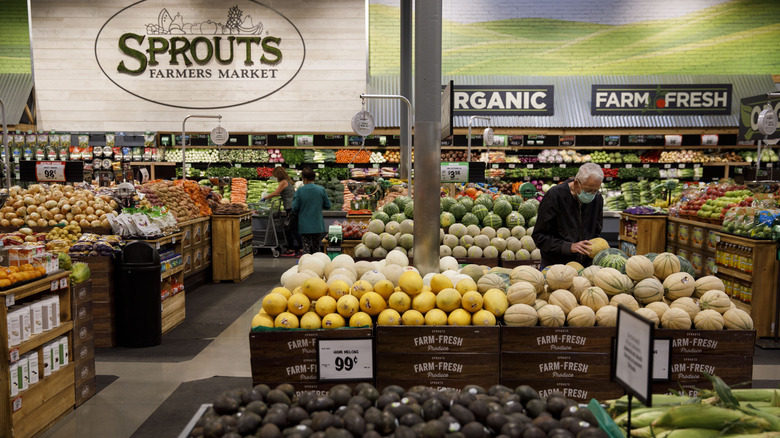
[
  {"x": 654, "y": 286},
  {"x": 320, "y": 293}
]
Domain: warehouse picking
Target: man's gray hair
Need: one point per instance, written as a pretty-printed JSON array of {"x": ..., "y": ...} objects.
[{"x": 590, "y": 170}]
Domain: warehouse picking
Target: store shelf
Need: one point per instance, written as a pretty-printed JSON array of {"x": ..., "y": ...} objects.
[
  {"x": 34, "y": 287},
  {"x": 735, "y": 273},
  {"x": 45, "y": 337},
  {"x": 628, "y": 239},
  {"x": 171, "y": 272}
]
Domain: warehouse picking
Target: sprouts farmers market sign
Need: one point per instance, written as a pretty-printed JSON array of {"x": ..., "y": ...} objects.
[
  {"x": 652, "y": 100},
  {"x": 236, "y": 53}
]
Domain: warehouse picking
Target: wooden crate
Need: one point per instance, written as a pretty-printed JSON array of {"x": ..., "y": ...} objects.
[
  {"x": 437, "y": 339},
  {"x": 730, "y": 368},
  {"x": 290, "y": 356},
  {"x": 82, "y": 292},
  {"x": 581, "y": 390},
  {"x": 246, "y": 267},
  {"x": 710, "y": 342},
  {"x": 557, "y": 340},
  {"x": 84, "y": 370},
  {"x": 104, "y": 323},
  {"x": 439, "y": 384},
  {"x": 227, "y": 263},
  {"x": 102, "y": 291},
  {"x": 85, "y": 351},
  {"x": 650, "y": 232},
  {"x": 173, "y": 312},
  {"x": 517, "y": 366},
  {"x": 438, "y": 366},
  {"x": 44, "y": 403},
  {"x": 186, "y": 234},
  {"x": 82, "y": 333}
]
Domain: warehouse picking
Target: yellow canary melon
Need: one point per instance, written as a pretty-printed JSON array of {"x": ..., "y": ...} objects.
[
  {"x": 282, "y": 290},
  {"x": 472, "y": 301},
  {"x": 372, "y": 303},
  {"x": 448, "y": 299},
  {"x": 360, "y": 287},
  {"x": 465, "y": 285},
  {"x": 440, "y": 282},
  {"x": 286, "y": 320},
  {"x": 384, "y": 288},
  {"x": 333, "y": 320},
  {"x": 298, "y": 304},
  {"x": 435, "y": 317},
  {"x": 347, "y": 305},
  {"x": 360, "y": 319},
  {"x": 459, "y": 317},
  {"x": 581, "y": 316},
  {"x": 676, "y": 319},
  {"x": 262, "y": 320},
  {"x": 325, "y": 305},
  {"x": 411, "y": 282},
  {"x": 314, "y": 288},
  {"x": 495, "y": 302},
  {"x": 597, "y": 244},
  {"x": 424, "y": 302},
  {"x": 708, "y": 319},
  {"x": 338, "y": 289},
  {"x": 412, "y": 317},
  {"x": 400, "y": 302},
  {"x": 521, "y": 315},
  {"x": 274, "y": 303},
  {"x": 577, "y": 266},
  {"x": 606, "y": 316},
  {"x": 311, "y": 321},
  {"x": 388, "y": 317},
  {"x": 483, "y": 317}
]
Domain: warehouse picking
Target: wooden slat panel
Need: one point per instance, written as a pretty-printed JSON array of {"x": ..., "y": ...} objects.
[
  {"x": 471, "y": 339},
  {"x": 691, "y": 367},
  {"x": 580, "y": 390},
  {"x": 594, "y": 366},
  {"x": 717, "y": 342},
  {"x": 44, "y": 402},
  {"x": 173, "y": 312},
  {"x": 563, "y": 339},
  {"x": 438, "y": 366}
]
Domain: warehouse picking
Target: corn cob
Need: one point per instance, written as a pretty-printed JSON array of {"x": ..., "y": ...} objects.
[
  {"x": 688, "y": 433},
  {"x": 620, "y": 405},
  {"x": 744, "y": 395},
  {"x": 757, "y": 435},
  {"x": 707, "y": 417},
  {"x": 641, "y": 417},
  {"x": 773, "y": 421},
  {"x": 647, "y": 431}
]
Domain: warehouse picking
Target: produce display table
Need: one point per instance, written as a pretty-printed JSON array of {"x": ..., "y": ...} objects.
[
  {"x": 641, "y": 234},
  {"x": 232, "y": 247}
]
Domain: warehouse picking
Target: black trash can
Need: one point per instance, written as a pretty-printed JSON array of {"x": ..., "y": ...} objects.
[{"x": 137, "y": 290}]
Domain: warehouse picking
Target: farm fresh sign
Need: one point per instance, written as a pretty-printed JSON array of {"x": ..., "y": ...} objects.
[
  {"x": 242, "y": 45},
  {"x": 650, "y": 100},
  {"x": 513, "y": 100}
]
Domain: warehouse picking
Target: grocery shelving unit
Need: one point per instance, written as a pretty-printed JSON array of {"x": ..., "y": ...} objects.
[
  {"x": 644, "y": 232},
  {"x": 34, "y": 410},
  {"x": 232, "y": 257},
  {"x": 695, "y": 240}
]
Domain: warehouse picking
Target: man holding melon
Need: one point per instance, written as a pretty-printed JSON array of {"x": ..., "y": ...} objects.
[{"x": 570, "y": 214}]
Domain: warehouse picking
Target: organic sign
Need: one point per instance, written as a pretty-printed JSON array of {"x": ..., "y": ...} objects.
[
  {"x": 651, "y": 100},
  {"x": 750, "y": 108},
  {"x": 514, "y": 100},
  {"x": 199, "y": 47}
]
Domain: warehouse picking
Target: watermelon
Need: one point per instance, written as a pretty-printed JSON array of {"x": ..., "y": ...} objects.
[
  {"x": 398, "y": 217},
  {"x": 391, "y": 208},
  {"x": 534, "y": 202},
  {"x": 469, "y": 219},
  {"x": 531, "y": 222},
  {"x": 515, "y": 201},
  {"x": 458, "y": 210},
  {"x": 611, "y": 258},
  {"x": 446, "y": 202},
  {"x": 401, "y": 201},
  {"x": 502, "y": 208},
  {"x": 485, "y": 200},
  {"x": 446, "y": 219},
  {"x": 467, "y": 202},
  {"x": 381, "y": 215},
  {"x": 514, "y": 219},
  {"x": 409, "y": 210},
  {"x": 480, "y": 211},
  {"x": 686, "y": 266},
  {"x": 492, "y": 220},
  {"x": 651, "y": 255},
  {"x": 527, "y": 210}
]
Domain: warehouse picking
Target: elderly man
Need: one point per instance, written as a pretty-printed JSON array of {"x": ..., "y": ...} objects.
[{"x": 569, "y": 215}]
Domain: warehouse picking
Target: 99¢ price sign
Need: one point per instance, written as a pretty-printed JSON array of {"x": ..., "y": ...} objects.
[
  {"x": 345, "y": 359},
  {"x": 455, "y": 172},
  {"x": 50, "y": 171}
]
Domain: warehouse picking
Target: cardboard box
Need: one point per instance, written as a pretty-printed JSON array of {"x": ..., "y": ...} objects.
[
  {"x": 683, "y": 234},
  {"x": 197, "y": 233}
]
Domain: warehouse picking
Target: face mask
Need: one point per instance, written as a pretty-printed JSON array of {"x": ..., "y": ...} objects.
[{"x": 585, "y": 197}]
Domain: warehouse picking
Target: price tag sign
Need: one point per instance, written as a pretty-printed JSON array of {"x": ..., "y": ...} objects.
[
  {"x": 696, "y": 166},
  {"x": 55, "y": 284},
  {"x": 662, "y": 359},
  {"x": 640, "y": 178},
  {"x": 681, "y": 165},
  {"x": 529, "y": 166},
  {"x": 375, "y": 166},
  {"x": 667, "y": 166},
  {"x": 609, "y": 178},
  {"x": 563, "y": 166},
  {"x": 634, "y": 354},
  {"x": 344, "y": 360},
  {"x": 50, "y": 171},
  {"x": 238, "y": 165},
  {"x": 17, "y": 404},
  {"x": 320, "y": 166},
  {"x": 350, "y": 166},
  {"x": 646, "y": 166},
  {"x": 14, "y": 355},
  {"x": 9, "y": 300},
  {"x": 511, "y": 166},
  {"x": 292, "y": 166},
  {"x": 628, "y": 166},
  {"x": 173, "y": 240},
  {"x": 494, "y": 166},
  {"x": 607, "y": 166},
  {"x": 63, "y": 282},
  {"x": 555, "y": 178},
  {"x": 455, "y": 172},
  {"x": 526, "y": 178}
]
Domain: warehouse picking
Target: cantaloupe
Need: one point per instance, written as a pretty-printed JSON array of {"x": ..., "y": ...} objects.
[
  {"x": 649, "y": 290},
  {"x": 578, "y": 285},
  {"x": 560, "y": 276},
  {"x": 521, "y": 293},
  {"x": 639, "y": 267},
  {"x": 736, "y": 319},
  {"x": 539, "y": 303},
  {"x": 473, "y": 301},
  {"x": 626, "y": 300},
  {"x": 551, "y": 316},
  {"x": 606, "y": 316},
  {"x": 495, "y": 302},
  {"x": 649, "y": 315},
  {"x": 590, "y": 272},
  {"x": 491, "y": 281},
  {"x": 676, "y": 319},
  {"x": 659, "y": 307},
  {"x": 612, "y": 282},
  {"x": 594, "y": 297},
  {"x": 708, "y": 320},
  {"x": 483, "y": 317},
  {"x": 563, "y": 299},
  {"x": 707, "y": 283},
  {"x": 577, "y": 266},
  {"x": 688, "y": 304},
  {"x": 678, "y": 285},
  {"x": 581, "y": 316},
  {"x": 528, "y": 274},
  {"x": 665, "y": 264},
  {"x": 521, "y": 315},
  {"x": 716, "y": 300}
]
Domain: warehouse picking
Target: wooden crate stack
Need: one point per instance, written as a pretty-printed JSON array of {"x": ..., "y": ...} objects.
[
  {"x": 196, "y": 245},
  {"x": 103, "y": 306},
  {"x": 83, "y": 341}
]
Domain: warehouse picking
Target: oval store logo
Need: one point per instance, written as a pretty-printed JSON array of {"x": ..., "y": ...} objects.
[{"x": 200, "y": 54}]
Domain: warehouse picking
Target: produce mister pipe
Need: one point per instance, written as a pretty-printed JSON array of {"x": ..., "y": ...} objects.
[
  {"x": 405, "y": 166},
  {"x": 471, "y": 119},
  {"x": 7, "y": 159},
  {"x": 184, "y": 142}
]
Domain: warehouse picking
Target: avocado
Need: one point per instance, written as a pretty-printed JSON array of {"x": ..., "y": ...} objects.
[
  {"x": 340, "y": 395},
  {"x": 279, "y": 407},
  {"x": 546, "y": 423},
  {"x": 535, "y": 407},
  {"x": 225, "y": 405},
  {"x": 480, "y": 410},
  {"x": 464, "y": 398},
  {"x": 322, "y": 403},
  {"x": 433, "y": 429},
  {"x": 322, "y": 420},
  {"x": 354, "y": 423},
  {"x": 387, "y": 398},
  {"x": 526, "y": 393},
  {"x": 373, "y": 416},
  {"x": 248, "y": 423},
  {"x": 258, "y": 407},
  {"x": 335, "y": 432},
  {"x": 277, "y": 417},
  {"x": 299, "y": 431},
  {"x": 372, "y": 434},
  {"x": 592, "y": 432},
  {"x": 387, "y": 424},
  {"x": 370, "y": 393},
  {"x": 497, "y": 390},
  {"x": 287, "y": 389},
  {"x": 512, "y": 430},
  {"x": 297, "y": 414},
  {"x": 455, "y": 435},
  {"x": 262, "y": 389},
  {"x": 359, "y": 400},
  {"x": 474, "y": 429},
  {"x": 410, "y": 419},
  {"x": 555, "y": 406},
  {"x": 512, "y": 406},
  {"x": 574, "y": 424},
  {"x": 495, "y": 421},
  {"x": 399, "y": 409},
  {"x": 305, "y": 397},
  {"x": 214, "y": 428},
  {"x": 452, "y": 423},
  {"x": 507, "y": 397},
  {"x": 474, "y": 389},
  {"x": 462, "y": 414},
  {"x": 250, "y": 396},
  {"x": 517, "y": 417},
  {"x": 277, "y": 396},
  {"x": 532, "y": 431},
  {"x": 404, "y": 432},
  {"x": 432, "y": 409},
  {"x": 360, "y": 386},
  {"x": 411, "y": 398},
  {"x": 560, "y": 433},
  {"x": 318, "y": 435},
  {"x": 232, "y": 435},
  {"x": 417, "y": 428},
  {"x": 587, "y": 415}
]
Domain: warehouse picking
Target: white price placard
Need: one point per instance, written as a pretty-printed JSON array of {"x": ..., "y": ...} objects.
[
  {"x": 455, "y": 172},
  {"x": 628, "y": 166},
  {"x": 350, "y": 166},
  {"x": 54, "y": 285},
  {"x": 10, "y": 300},
  {"x": 634, "y": 354},
  {"x": 345, "y": 359},
  {"x": 14, "y": 355},
  {"x": 607, "y": 166},
  {"x": 494, "y": 166},
  {"x": 646, "y": 166},
  {"x": 375, "y": 166},
  {"x": 320, "y": 166},
  {"x": 696, "y": 166},
  {"x": 63, "y": 282},
  {"x": 667, "y": 166},
  {"x": 681, "y": 165},
  {"x": 17, "y": 404},
  {"x": 662, "y": 357},
  {"x": 529, "y": 166},
  {"x": 562, "y": 166},
  {"x": 50, "y": 171}
]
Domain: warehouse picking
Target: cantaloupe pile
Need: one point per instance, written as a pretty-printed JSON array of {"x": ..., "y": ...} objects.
[
  {"x": 320, "y": 293},
  {"x": 656, "y": 289}
]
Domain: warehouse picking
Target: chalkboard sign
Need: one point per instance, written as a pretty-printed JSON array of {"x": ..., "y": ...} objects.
[
  {"x": 394, "y": 140},
  {"x": 259, "y": 140},
  {"x": 515, "y": 140},
  {"x": 541, "y": 140},
  {"x": 611, "y": 140},
  {"x": 330, "y": 140},
  {"x": 281, "y": 140},
  {"x": 566, "y": 140},
  {"x": 642, "y": 140},
  {"x": 447, "y": 141}
]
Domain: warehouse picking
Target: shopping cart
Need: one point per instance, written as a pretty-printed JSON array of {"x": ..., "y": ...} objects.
[{"x": 267, "y": 229}]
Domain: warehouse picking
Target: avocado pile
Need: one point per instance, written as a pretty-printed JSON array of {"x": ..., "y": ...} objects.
[{"x": 420, "y": 412}]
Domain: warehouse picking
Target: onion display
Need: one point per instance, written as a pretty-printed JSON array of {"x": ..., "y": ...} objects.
[{"x": 44, "y": 205}]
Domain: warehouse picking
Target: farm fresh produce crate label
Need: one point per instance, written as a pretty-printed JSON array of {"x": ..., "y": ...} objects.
[
  {"x": 556, "y": 366},
  {"x": 711, "y": 342},
  {"x": 577, "y": 389},
  {"x": 437, "y": 339},
  {"x": 438, "y": 366},
  {"x": 564, "y": 339},
  {"x": 692, "y": 367}
]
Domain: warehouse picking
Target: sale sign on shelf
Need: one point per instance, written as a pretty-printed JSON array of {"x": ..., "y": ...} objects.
[{"x": 50, "y": 171}]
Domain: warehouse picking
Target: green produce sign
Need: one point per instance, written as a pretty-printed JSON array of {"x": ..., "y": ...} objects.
[{"x": 749, "y": 109}]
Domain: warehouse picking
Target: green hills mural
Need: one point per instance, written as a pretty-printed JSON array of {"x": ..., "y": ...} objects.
[{"x": 737, "y": 37}]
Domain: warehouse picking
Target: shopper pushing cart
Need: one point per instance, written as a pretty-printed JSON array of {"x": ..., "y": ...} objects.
[{"x": 285, "y": 190}]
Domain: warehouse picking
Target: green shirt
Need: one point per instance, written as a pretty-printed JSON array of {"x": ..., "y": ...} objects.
[{"x": 308, "y": 202}]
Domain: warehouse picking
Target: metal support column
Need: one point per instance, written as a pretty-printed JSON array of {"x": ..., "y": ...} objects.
[
  {"x": 7, "y": 159},
  {"x": 405, "y": 164},
  {"x": 184, "y": 141},
  {"x": 427, "y": 129}
]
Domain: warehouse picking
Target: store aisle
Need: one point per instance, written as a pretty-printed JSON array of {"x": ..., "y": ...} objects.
[{"x": 141, "y": 387}]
